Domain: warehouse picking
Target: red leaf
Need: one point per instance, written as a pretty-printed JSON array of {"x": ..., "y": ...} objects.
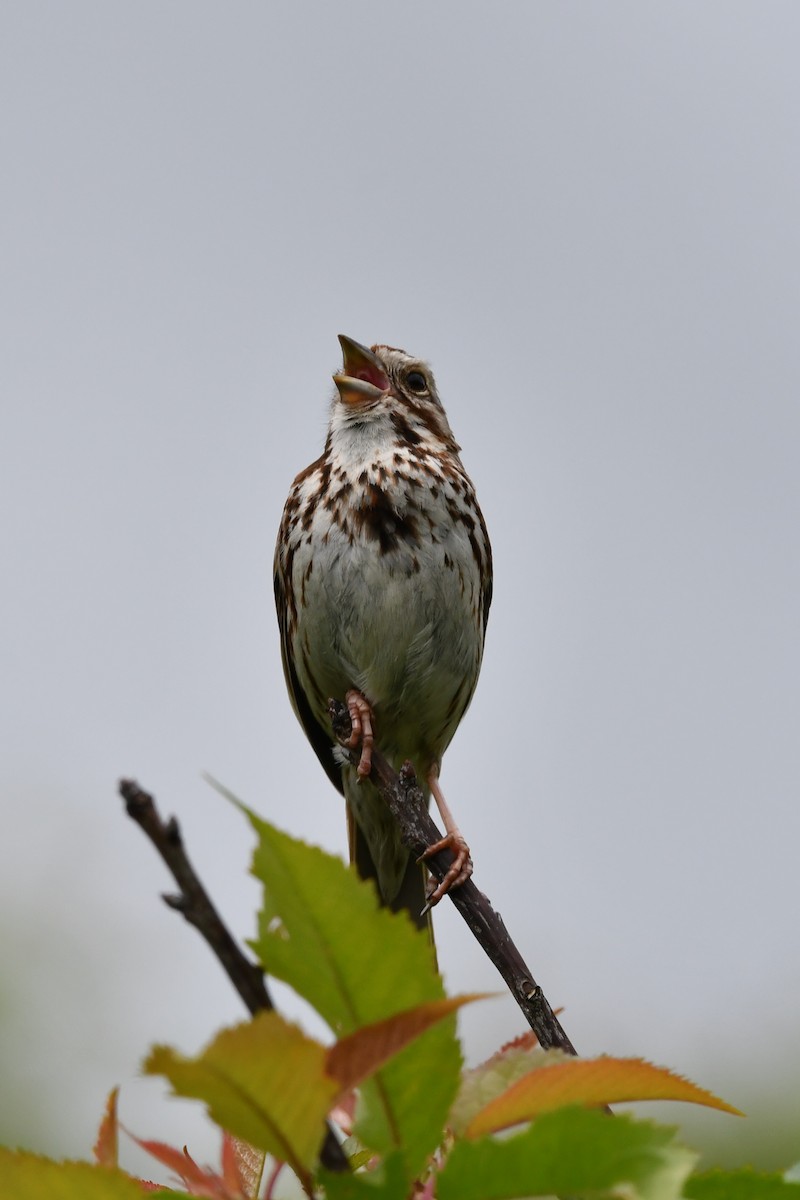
[
  {"x": 200, "y": 1181},
  {"x": 106, "y": 1147}
]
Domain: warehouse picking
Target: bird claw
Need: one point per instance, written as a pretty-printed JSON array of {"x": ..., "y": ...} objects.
[
  {"x": 458, "y": 872},
  {"x": 361, "y": 722}
]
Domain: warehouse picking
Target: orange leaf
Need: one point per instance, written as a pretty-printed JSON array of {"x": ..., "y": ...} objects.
[
  {"x": 587, "y": 1081},
  {"x": 360, "y": 1054},
  {"x": 105, "y": 1148}
]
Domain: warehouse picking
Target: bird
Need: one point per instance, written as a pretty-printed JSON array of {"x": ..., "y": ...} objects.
[{"x": 383, "y": 582}]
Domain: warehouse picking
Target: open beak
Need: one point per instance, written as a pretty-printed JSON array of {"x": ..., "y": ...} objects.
[{"x": 363, "y": 377}]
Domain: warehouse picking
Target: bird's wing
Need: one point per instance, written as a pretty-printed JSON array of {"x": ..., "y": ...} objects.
[
  {"x": 488, "y": 581},
  {"x": 321, "y": 739}
]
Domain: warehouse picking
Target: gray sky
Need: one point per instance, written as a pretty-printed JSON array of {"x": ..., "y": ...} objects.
[{"x": 585, "y": 216}]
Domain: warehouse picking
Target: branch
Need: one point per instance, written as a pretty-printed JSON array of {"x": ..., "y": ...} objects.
[
  {"x": 409, "y": 808},
  {"x": 194, "y": 902}
]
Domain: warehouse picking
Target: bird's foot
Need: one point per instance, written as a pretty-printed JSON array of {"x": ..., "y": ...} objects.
[
  {"x": 458, "y": 872},
  {"x": 361, "y": 720},
  {"x": 461, "y": 867}
]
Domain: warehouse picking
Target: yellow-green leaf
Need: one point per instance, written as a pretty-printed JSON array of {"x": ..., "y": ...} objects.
[
  {"x": 265, "y": 1081},
  {"x": 29, "y": 1177},
  {"x": 587, "y": 1081}
]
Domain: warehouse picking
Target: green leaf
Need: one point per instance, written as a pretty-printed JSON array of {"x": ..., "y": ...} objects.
[
  {"x": 323, "y": 932},
  {"x": 29, "y": 1177},
  {"x": 264, "y": 1081},
  {"x": 574, "y": 1151},
  {"x": 388, "y": 1182},
  {"x": 740, "y": 1185}
]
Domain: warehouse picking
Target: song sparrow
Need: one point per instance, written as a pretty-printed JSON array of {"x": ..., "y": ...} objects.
[{"x": 383, "y": 579}]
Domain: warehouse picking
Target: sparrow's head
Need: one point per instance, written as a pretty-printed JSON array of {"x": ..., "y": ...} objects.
[{"x": 390, "y": 389}]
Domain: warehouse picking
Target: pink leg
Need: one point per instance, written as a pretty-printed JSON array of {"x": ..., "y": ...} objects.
[
  {"x": 361, "y": 720},
  {"x": 461, "y": 867}
]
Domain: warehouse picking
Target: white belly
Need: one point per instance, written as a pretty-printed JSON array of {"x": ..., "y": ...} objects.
[{"x": 409, "y": 637}]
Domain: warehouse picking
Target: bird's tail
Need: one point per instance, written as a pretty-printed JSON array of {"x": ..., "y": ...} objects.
[{"x": 410, "y": 897}]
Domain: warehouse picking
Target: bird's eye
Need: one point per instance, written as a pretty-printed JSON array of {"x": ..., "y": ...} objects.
[{"x": 417, "y": 381}]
